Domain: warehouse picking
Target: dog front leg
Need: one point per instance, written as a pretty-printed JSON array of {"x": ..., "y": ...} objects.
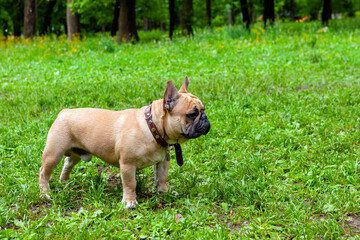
[
  {"x": 128, "y": 180},
  {"x": 161, "y": 172}
]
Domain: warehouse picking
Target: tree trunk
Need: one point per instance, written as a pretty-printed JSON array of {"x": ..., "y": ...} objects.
[
  {"x": 349, "y": 5},
  {"x": 30, "y": 18},
  {"x": 314, "y": 12},
  {"x": 172, "y": 18},
  {"x": 73, "y": 23},
  {"x": 146, "y": 24},
  {"x": 326, "y": 12},
  {"x": 127, "y": 22},
  {"x": 64, "y": 23},
  {"x": 229, "y": 17},
  {"x": 103, "y": 29},
  {"x": 187, "y": 15},
  {"x": 6, "y": 29},
  {"x": 252, "y": 12},
  {"x": 245, "y": 13},
  {"x": 269, "y": 12},
  {"x": 17, "y": 28},
  {"x": 208, "y": 12},
  {"x": 17, "y": 19},
  {"x": 48, "y": 14},
  {"x": 115, "y": 24},
  {"x": 292, "y": 10},
  {"x": 162, "y": 27}
]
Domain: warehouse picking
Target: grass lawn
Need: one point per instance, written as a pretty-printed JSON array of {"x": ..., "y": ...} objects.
[{"x": 282, "y": 159}]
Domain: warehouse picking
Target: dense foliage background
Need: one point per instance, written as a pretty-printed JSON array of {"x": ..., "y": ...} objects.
[{"x": 98, "y": 15}]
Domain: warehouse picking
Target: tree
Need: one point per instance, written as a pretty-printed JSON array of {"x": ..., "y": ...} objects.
[
  {"x": 292, "y": 10},
  {"x": 208, "y": 12},
  {"x": 73, "y": 21},
  {"x": 17, "y": 17},
  {"x": 30, "y": 18},
  {"x": 115, "y": 24},
  {"x": 252, "y": 10},
  {"x": 326, "y": 12},
  {"x": 269, "y": 12},
  {"x": 186, "y": 17},
  {"x": 154, "y": 13},
  {"x": 308, "y": 8},
  {"x": 245, "y": 13},
  {"x": 48, "y": 15},
  {"x": 17, "y": 20},
  {"x": 171, "y": 18},
  {"x": 95, "y": 15},
  {"x": 127, "y": 22},
  {"x": 11, "y": 16}
]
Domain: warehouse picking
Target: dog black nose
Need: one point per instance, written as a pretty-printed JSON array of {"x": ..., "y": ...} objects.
[
  {"x": 206, "y": 123},
  {"x": 207, "y": 128}
]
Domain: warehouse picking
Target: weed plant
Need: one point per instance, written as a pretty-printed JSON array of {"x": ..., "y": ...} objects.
[{"x": 281, "y": 160}]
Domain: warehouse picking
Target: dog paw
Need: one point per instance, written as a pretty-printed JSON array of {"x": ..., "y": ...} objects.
[
  {"x": 63, "y": 179},
  {"x": 130, "y": 204},
  {"x": 162, "y": 188},
  {"x": 46, "y": 196}
]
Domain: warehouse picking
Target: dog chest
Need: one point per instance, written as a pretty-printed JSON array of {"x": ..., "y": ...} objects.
[{"x": 151, "y": 158}]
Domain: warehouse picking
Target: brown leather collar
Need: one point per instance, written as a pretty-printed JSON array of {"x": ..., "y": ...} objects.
[
  {"x": 159, "y": 139},
  {"x": 153, "y": 129}
]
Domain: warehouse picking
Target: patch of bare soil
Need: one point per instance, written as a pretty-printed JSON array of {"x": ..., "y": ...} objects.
[
  {"x": 74, "y": 209},
  {"x": 35, "y": 208},
  {"x": 318, "y": 217},
  {"x": 232, "y": 226},
  {"x": 9, "y": 225},
  {"x": 102, "y": 169},
  {"x": 113, "y": 180},
  {"x": 301, "y": 87},
  {"x": 351, "y": 224}
]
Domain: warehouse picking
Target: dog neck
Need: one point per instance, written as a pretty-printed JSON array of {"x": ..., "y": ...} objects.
[
  {"x": 159, "y": 117},
  {"x": 157, "y": 113},
  {"x": 153, "y": 120}
]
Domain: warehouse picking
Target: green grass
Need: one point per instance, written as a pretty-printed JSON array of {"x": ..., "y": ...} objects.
[{"x": 281, "y": 159}]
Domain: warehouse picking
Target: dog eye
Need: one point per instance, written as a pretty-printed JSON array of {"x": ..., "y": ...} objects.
[{"x": 191, "y": 115}]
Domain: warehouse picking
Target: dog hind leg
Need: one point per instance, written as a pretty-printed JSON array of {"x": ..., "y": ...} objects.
[
  {"x": 57, "y": 144},
  {"x": 49, "y": 162},
  {"x": 69, "y": 164}
]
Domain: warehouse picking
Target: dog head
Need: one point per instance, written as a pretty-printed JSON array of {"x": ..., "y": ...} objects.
[{"x": 185, "y": 116}]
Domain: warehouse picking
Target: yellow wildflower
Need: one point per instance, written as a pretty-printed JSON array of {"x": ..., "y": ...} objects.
[{"x": 255, "y": 31}]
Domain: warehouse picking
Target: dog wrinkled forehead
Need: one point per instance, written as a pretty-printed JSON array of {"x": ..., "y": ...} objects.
[{"x": 193, "y": 100}]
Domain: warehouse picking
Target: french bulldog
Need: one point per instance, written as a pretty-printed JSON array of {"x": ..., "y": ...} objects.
[{"x": 131, "y": 139}]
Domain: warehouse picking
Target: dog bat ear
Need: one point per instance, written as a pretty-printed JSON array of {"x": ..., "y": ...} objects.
[
  {"x": 171, "y": 96},
  {"x": 184, "y": 86}
]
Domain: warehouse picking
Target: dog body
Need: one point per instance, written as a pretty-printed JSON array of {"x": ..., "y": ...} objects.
[
  {"x": 123, "y": 138},
  {"x": 105, "y": 134}
]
